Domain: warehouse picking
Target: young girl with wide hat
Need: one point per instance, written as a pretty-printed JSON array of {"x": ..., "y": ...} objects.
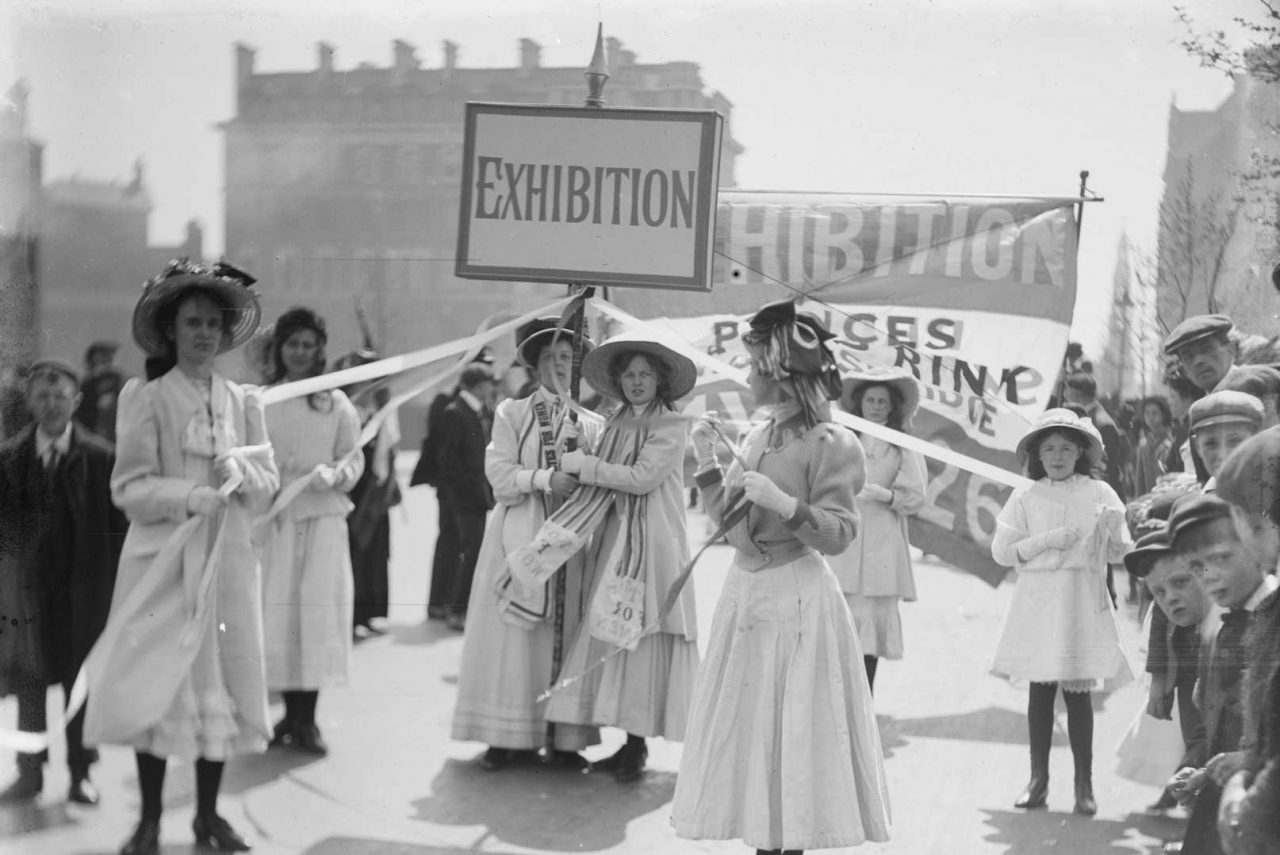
[
  {"x": 631, "y": 510},
  {"x": 782, "y": 750},
  {"x": 1061, "y": 631},
  {"x": 875, "y": 572},
  {"x": 179, "y": 668}
]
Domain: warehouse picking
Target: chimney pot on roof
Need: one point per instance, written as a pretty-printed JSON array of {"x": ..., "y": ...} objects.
[
  {"x": 450, "y": 55},
  {"x": 404, "y": 56},
  {"x": 324, "y": 56},
  {"x": 530, "y": 54}
]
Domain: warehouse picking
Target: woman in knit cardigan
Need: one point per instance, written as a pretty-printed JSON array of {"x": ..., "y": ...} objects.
[{"x": 782, "y": 692}]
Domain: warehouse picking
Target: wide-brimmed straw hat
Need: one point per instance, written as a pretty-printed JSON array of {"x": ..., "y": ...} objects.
[
  {"x": 230, "y": 283},
  {"x": 1059, "y": 419},
  {"x": 595, "y": 365},
  {"x": 539, "y": 332},
  {"x": 902, "y": 379}
]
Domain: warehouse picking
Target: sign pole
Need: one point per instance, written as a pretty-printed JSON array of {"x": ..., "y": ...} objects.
[{"x": 597, "y": 73}]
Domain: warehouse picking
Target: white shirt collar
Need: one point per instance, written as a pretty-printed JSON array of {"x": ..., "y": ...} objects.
[
  {"x": 1269, "y": 584},
  {"x": 61, "y": 443}
]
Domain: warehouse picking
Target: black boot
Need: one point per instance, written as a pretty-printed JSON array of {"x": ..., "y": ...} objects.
[
  {"x": 1040, "y": 730},
  {"x": 1080, "y": 731}
]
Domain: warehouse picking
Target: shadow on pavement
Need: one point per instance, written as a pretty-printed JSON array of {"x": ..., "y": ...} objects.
[
  {"x": 365, "y": 846},
  {"x": 1061, "y": 833},
  {"x": 19, "y": 819},
  {"x": 993, "y": 724},
  {"x": 543, "y": 808},
  {"x": 427, "y": 632}
]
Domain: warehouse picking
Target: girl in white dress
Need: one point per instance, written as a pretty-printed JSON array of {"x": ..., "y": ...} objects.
[
  {"x": 306, "y": 569},
  {"x": 782, "y": 750},
  {"x": 1061, "y": 629}
]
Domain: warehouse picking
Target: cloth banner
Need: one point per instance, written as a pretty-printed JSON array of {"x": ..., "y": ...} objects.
[{"x": 974, "y": 294}]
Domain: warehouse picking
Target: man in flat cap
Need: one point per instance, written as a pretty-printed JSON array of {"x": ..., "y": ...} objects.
[
  {"x": 1220, "y": 423},
  {"x": 60, "y": 539},
  {"x": 1204, "y": 348}
]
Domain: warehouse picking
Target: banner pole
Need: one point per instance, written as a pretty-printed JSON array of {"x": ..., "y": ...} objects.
[
  {"x": 597, "y": 73},
  {"x": 1084, "y": 190}
]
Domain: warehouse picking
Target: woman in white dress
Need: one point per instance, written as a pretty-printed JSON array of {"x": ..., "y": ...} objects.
[
  {"x": 875, "y": 572},
  {"x": 1061, "y": 632},
  {"x": 782, "y": 750},
  {"x": 306, "y": 569},
  {"x": 508, "y": 648},
  {"x": 179, "y": 668},
  {"x": 636, "y": 518}
]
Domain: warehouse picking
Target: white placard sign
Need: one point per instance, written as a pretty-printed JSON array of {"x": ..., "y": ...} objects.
[{"x": 601, "y": 196}]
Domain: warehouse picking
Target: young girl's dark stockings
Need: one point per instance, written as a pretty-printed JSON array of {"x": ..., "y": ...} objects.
[{"x": 151, "y": 783}]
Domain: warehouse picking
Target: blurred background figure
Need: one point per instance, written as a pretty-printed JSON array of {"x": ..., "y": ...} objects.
[
  {"x": 374, "y": 495},
  {"x": 100, "y": 390}
]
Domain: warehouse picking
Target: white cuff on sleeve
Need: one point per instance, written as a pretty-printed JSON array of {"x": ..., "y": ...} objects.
[{"x": 542, "y": 480}]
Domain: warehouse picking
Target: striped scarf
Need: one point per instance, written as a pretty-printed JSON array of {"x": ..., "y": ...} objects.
[{"x": 567, "y": 530}]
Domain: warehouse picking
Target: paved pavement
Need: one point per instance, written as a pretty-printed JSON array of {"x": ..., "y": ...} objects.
[{"x": 395, "y": 784}]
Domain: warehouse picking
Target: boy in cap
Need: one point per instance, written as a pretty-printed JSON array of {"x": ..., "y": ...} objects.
[
  {"x": 1181, "y": 600},
  {"x": 100, "y": 390},
  {"x": 60, "y": 538},
  {"x": 1220, "y": 422},
  {"x": 1250, "y": 813},
  {"x": 1234, "y": 576},
  {"x": 1204, "y": 348}
]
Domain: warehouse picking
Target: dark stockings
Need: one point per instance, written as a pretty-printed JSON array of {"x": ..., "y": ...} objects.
[
  {"x": 1079, "y": 729},
  {"x": 870, "y": 663},
  {"x": 208, "y": 782},
  {"x": 1080, "y": 732},
  {"x": 779, "y": 852},
  {"x": 300, "y": 706},
  {"x": 151, "y": 783}
]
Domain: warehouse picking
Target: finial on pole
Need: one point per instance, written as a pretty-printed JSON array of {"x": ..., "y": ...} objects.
[{"x": 597, "y": 72}]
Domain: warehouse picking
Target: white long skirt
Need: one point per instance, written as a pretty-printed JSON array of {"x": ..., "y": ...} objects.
[
  {"x": 646, "y": 691},
  {"x": 782, "y": 749},
  {"x": 307, "y": 601}
]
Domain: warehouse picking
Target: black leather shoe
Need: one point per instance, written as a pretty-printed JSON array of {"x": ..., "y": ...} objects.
[
  {"x": 1085, "y": 804},
  {"x": 82, "y": 791},
  {"x": 495, "y": 759},
  {"x": 29, "y": 784},
  {"x": 567, "y": 760},
  {"x": 631, "y": 764},
  {"x": 282, "y": 734},
  {"x": 214, "y": 832},
  {"x": 610, "y": 763},
  {"x": 1035, "y": 795},
  {"x": 307, "y": 738},
  {"x": 145, "y": 839}
]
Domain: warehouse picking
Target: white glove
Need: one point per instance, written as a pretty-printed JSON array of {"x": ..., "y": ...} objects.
[
  {"x": 764, "y": 493},
  {"x": 704, "y": 437},
  {"x": 226, "y": 468},
  {"x": 1062, "y": 538},
  {"x": 1058, "y": 538},
  {"x": 204, "y": 501},
  {"x": 323, "y": 478},
  {"x": 877, "y": 493},
  {"x": 572, "y": 461}
]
